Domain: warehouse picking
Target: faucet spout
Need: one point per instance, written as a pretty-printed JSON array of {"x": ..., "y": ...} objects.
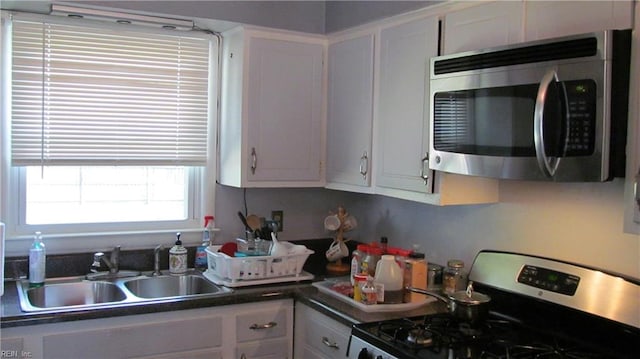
[
  {"x": 111, "y": 262},
  {"x": 114, "y": 259},
  {"x": 156, "y": 260}
]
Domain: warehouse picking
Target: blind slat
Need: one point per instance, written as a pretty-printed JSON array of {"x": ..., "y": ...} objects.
[{"x": 83, "y": 96}]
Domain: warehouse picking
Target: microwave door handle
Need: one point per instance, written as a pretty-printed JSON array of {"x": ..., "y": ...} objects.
[{"x": 547, "y": 165}]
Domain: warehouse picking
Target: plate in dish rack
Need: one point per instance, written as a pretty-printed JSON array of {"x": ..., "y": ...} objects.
[
  {"x": 329, "y": 287},
  {"x": 245, "y": 283}
]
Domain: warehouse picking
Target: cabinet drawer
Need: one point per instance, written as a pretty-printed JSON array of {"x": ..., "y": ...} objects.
[
  {"x": 261, "y": 325},
  {"x": 326, "y": 335}
]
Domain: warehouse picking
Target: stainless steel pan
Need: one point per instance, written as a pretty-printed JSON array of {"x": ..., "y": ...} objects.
[{"x": 467, "y": 305}]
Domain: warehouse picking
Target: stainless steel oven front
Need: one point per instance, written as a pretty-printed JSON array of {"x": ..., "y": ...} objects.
[
  {"x": 545, "y": 110},
  {"x": 361, "y": 349}
]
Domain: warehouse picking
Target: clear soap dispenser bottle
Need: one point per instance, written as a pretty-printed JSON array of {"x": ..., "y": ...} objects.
[
  {"x": 178, "y": 257},
  {"x": 37, "y": 262}
]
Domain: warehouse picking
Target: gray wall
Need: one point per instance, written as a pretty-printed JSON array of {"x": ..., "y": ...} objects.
[{"x": 306, "y": 16}]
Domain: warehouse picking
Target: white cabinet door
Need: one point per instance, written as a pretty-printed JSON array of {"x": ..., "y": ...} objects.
[
  {"x": 193, "y": 333},
  {"x": 350, "y": 114},
  {"x": 547, "y": 19},
  {"x": 217, "y": 332},
  {"x": 271, "y": 126},
  {"x": 402, "y": 108},
  {"x": 285, "y": 109},
  {"x": 486, "y": 25}
]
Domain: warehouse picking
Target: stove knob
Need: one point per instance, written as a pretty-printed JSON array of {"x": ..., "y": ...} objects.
[
  {"x": 364, "y": 354},
  {"x": 379, "y": 357}
]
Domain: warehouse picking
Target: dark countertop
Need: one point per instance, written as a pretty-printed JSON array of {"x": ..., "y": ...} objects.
[
  {"x": 304, "y": 292},
  {"x": 77, "y": 264}
]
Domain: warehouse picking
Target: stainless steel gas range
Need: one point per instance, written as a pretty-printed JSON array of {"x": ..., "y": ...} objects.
[{"x": 539, "y": 308}]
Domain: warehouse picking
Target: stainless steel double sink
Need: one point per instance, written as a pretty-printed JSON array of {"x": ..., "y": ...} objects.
[{"x": 77, "y": 293}]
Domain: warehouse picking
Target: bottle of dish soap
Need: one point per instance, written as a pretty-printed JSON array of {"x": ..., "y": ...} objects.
[
  {"x": 178, "y": 257},
  {"x": 201, "y": 254},
  {"x": 37, "y": 262}
]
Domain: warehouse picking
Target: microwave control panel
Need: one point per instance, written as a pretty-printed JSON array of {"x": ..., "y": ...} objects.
[
  {"x": 548, "y": 279},
  {"x": 581, "y": 134}
]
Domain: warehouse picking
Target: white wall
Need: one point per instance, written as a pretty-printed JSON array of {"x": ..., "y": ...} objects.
[{"x": 574, "y": 222}]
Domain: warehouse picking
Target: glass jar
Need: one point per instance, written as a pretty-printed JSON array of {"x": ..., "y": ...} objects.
[
  {"x": 370, "y": 260},
  {"x": 356, "y": 261},
  {"x": 453, "y": 278},
  {"x": 369, "y": 292},
  {"x": 434, "y": 277}
]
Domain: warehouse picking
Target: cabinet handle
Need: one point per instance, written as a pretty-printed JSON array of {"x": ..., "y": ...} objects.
[
  {"x": 424, "y": 173},
  {"x": 255, "y": 326},
  {"x": 364, "y": 164},
  {"x": 333, "y": 345},
  {"x": 254, "y": 160}
]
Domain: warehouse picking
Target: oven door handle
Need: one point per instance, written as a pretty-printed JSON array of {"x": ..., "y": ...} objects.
[{"x": 548, "y": 165}]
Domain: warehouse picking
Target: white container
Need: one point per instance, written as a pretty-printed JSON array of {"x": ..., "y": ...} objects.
[
  {"x": 388, "y": 280},
  {"x": 257, "y": 267}
]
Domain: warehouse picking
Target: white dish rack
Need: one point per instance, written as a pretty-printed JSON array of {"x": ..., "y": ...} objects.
[{"x": 254, "y": 268}]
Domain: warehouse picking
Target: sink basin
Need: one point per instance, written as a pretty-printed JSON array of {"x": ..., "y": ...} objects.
[
  {"x": 58, "y": 295},
  {"x": 172, "y": 286},
  {"x": 77, "y": 293}
]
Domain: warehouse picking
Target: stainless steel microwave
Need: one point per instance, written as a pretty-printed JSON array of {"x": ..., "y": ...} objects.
[{"x": 552, "y": 110}]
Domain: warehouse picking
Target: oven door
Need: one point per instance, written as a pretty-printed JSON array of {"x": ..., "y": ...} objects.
[{"x": 544, "y": 121}]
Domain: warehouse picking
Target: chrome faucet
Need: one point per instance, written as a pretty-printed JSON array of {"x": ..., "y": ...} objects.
[
  {"x": 156, "y": 260},
  {"x": 112, "y": 262}
]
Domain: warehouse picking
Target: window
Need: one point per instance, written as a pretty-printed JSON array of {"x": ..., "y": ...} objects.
[{"x": 108, "y": 127}]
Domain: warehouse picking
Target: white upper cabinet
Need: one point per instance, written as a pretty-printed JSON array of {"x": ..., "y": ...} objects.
[
  {"x": 483, "y": 26},
  {"x": 547, "y": 19},
  {"x": 349, "y": 115},
  {"x": 402, "y": 139},
  {"x": 401, "y": 125},
  {"x": 272, "y": 124}
]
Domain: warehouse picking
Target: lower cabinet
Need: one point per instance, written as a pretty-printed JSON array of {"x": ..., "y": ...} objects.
[
  {"x": 262, "y": 330},
  {"x": 318, "y": 336}
]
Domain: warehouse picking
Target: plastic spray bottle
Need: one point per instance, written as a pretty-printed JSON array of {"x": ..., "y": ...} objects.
[{"x": 201, "y": 254}]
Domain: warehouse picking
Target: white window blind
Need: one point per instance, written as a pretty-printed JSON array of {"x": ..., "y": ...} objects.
[{"x": 102, "y": 96}]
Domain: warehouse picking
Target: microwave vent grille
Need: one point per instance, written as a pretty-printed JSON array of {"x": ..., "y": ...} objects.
[{"x": 570, "y": 49}]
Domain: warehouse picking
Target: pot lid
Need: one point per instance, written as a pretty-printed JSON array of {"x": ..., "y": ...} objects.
[
  {"x": 474, "y": 298},
  {"x": 469, "y": 296}
]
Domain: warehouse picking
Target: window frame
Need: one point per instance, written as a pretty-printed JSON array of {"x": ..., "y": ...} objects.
[{"x": 201, "y": 191}]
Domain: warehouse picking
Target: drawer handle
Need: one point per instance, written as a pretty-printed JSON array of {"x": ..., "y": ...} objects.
[
  {"x": 255, "y": 326},
  {"x": 326, "y": 342}
]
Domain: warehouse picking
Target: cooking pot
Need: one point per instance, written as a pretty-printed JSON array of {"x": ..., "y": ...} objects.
[{"x": 467, "y": 305}]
